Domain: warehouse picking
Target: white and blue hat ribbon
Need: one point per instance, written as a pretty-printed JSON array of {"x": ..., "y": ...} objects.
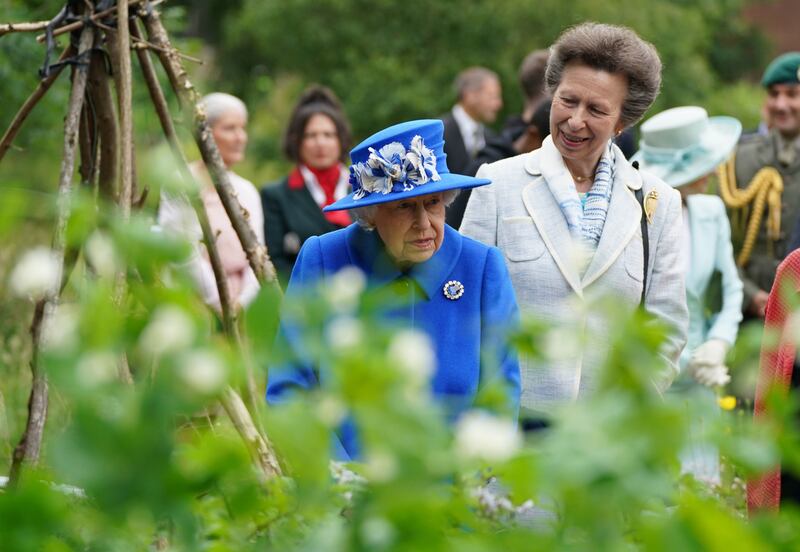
[
  {"x": 405, "y": 160},
  {"x": 682, "y": 144}
]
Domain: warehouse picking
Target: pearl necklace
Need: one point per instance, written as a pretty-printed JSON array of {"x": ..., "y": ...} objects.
[{"x": 579, "y": 179}]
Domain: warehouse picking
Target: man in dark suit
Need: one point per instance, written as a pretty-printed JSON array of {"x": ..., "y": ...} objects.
[{"x": 479, "y": 100}]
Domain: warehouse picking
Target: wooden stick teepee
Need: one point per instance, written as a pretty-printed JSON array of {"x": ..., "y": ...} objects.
[{"x": 106, "y": 153}]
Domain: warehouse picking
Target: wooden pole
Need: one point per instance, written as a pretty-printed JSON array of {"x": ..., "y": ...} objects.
[
  {"x": 258, "y": 444},
  {"x": 30, "y": 103},
  {"x": 102, "y": 99},
  {"x": 27, "y": 451}
]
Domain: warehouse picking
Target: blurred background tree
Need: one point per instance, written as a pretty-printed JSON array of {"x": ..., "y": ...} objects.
[
  {"x": 391, "y": 62},
  {"x": 387, "y": 61},
  {"x": 613, "y": 455}
]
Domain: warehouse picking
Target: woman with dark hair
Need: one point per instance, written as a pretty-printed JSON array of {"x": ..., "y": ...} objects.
[
  {"x": 316, "y": 140},
  {"x": 578, "y": 224}
]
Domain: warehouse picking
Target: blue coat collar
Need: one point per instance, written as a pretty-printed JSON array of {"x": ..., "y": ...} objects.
[{"x": 367, "y": 252}]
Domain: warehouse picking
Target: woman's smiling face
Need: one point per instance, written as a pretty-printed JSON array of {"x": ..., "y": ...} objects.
[
  {"x": 586, "y": 111},
  {"x": 411, "y": 229}
]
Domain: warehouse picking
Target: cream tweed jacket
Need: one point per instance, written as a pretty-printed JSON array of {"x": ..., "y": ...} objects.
[{"x": 518, "y": 214}]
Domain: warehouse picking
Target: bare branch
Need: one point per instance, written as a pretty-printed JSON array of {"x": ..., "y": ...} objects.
[
  {"x": 123, "y": 73},
  {"x": 29, "y": 446},
  {"x": 102, "y": 99},
  {"x": 95, "y": 18},
  {"x": 260, "y": 449},
  {"x": 32, "y": 27},
  {"x": 256, "y": 441},
  {"x": 27, "y": 450},
  {"x": 141, "y": 44},
  {"x": 30, "y": 103},
  {"x": 157, "y": 95}
]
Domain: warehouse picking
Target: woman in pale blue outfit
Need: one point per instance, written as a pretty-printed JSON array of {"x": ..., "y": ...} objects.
[{"x": 683, "y": 146}]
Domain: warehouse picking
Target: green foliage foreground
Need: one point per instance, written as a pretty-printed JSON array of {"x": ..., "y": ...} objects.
[{"x": 154, "y": 465}]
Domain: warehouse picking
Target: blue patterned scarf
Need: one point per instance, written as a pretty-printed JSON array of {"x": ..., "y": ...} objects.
[{"x": 584, "y": 220}]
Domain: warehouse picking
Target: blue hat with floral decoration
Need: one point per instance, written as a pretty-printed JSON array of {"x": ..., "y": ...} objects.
[
  {"x": 681, "y": 144},
  {"x": 402, "y": 161}
]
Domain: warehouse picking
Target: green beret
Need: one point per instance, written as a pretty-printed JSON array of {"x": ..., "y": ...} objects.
[{"x": 784, "y": 69}]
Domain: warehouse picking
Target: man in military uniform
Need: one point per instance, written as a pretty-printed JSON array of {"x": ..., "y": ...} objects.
[{"x": 765, "y": 218}]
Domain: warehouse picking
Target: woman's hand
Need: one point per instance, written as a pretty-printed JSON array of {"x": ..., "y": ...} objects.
[{"x": 707, "y": 364}]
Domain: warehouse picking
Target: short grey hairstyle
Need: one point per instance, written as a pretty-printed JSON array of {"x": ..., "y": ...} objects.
[
  {"x": 364, "y": 215},
  {"x": 471, "y": 79},
  {"x": 614, "y": 49},
  {"x": 217, "y": 104}
]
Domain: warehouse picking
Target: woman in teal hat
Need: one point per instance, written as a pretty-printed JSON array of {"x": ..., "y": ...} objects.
[
  {"x": 455, "y": 290},
  {"x": 683, "y": 146}
]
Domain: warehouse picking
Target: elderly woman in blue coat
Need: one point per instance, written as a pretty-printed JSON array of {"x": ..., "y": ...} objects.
[
  {"x": 683, "y": 146},
  {"x": 460, "y": 291}
]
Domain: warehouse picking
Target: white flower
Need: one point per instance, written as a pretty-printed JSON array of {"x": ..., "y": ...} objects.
[
  {"x": 344, "y": 289},
  {"x": 202, "y": 371},
  {"x": 380, "y": 466},
  {"x": 110, "y": 408},
  {"x": 377, "y": 532},
  {"x": 37, "y": 274},
  {"x": 331, "y": 411},
  {"x": 412, "y": 351},
  {"x": 422, "y": 163},
  {"x": 480, "y": 435},
  {"x": 101, "y": 255},
  {"x": 60, "y": 330},
  {"x": 344, "y": 332},
  {"x": 561, "y": 343},
  {"x": 344, "y": 476},
  {"x": 97, "y": 368},
  {"x": 170, "y": 329}
]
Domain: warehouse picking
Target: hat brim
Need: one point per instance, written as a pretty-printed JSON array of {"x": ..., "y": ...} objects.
[
  {"x": 448, "y": 181},
  {"x": 718, "y": 141}
]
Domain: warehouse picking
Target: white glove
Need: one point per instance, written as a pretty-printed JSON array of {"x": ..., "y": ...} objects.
[
  {"x": 712, "y": 352},
  {"x": 712, "y": 376},
  {"x": 707, "y": 364}
]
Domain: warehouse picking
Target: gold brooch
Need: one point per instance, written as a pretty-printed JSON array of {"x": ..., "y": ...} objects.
[{"x": 650, "y": 205}]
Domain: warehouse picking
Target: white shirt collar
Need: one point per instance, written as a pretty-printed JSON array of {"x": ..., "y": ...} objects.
[{"x": 471, "y": 130}]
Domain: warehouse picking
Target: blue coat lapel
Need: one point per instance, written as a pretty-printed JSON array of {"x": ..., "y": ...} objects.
[{"x": 368, "y": 253}]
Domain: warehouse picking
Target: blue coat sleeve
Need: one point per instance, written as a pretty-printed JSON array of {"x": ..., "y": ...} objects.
[
  {"x": 298, "y": 371},
  {"x": 499, "y": 315}
]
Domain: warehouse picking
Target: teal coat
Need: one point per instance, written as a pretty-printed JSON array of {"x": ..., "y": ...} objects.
[{"x": 711, "y": 253}]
